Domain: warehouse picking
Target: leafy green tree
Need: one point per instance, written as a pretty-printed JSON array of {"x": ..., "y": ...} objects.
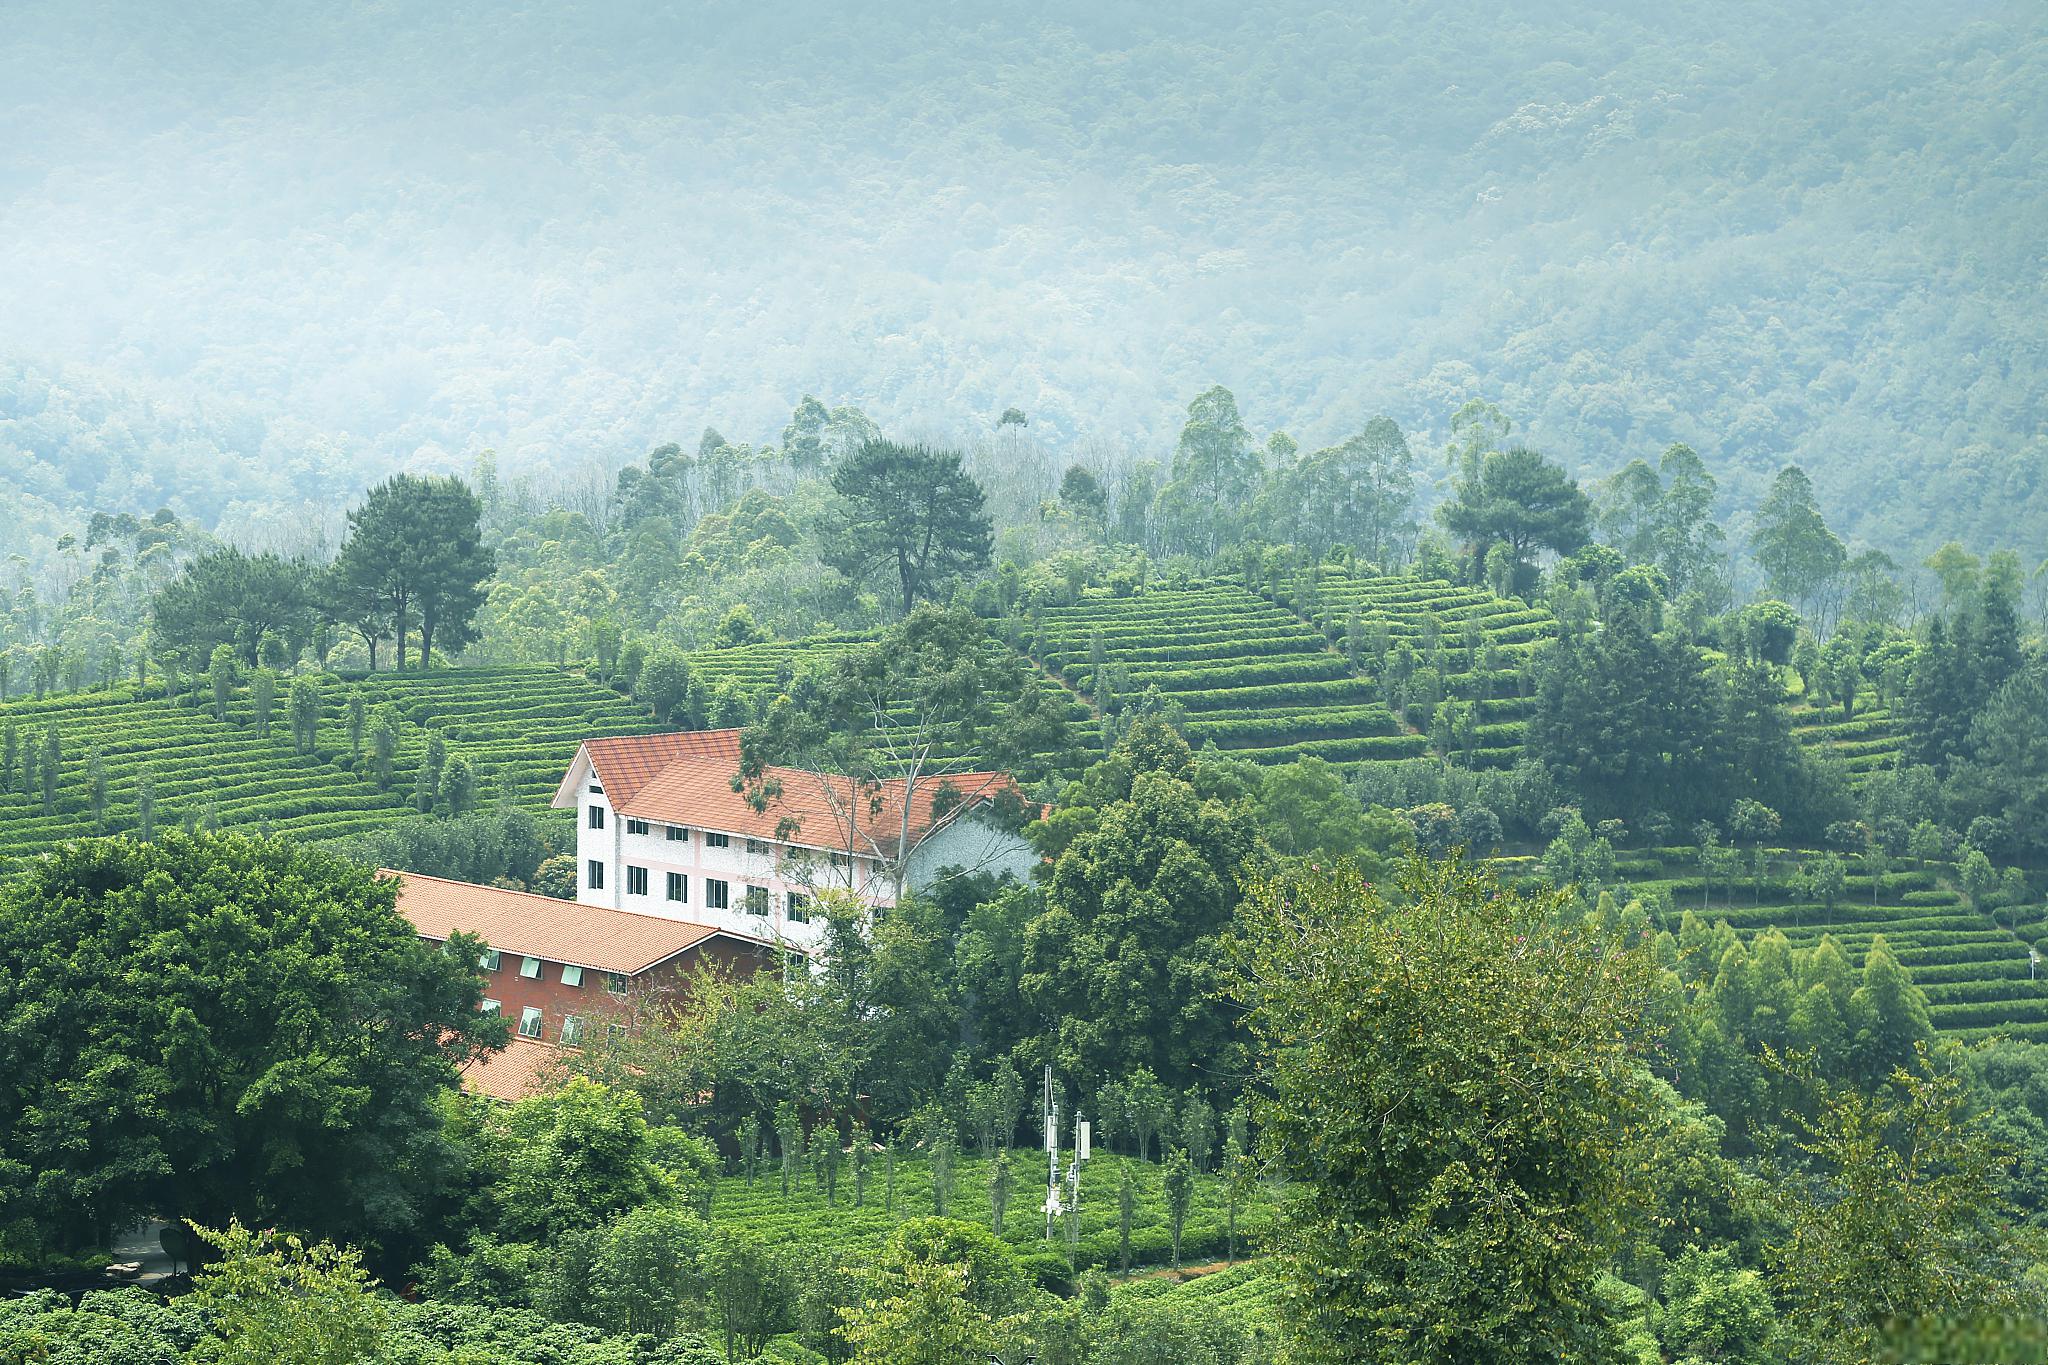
[
  {"x": 1178, "y": 1180},
  {"x": 998, "y": 1190},
  {"x": 1829, "y": 878},
  {"x": 222, "y": 676},
  {"x": 262, "y": 700},
  {"x": 648, "y": 1269},
  {"x": 1306, "y": 808},
  {"x": 2007, "y": 771},
  {"x": 1198, "y": 1131},
  {"x": 1454, "y": 1120},
  {"x": 225, "y": 597},
  {"x": 426, "y": 791},
  {"x": 1082, "y": 494},
  {"x": 1791, "y": 543},
  {"x": 911, "y": 512},
  {"x": 1124, "y": 960},
  {"x": 1215, "y": 470},
  {"x": 1628, "y": 720},
  {"x": 302, "y": 712},
  {"x": 1978, "y": 877},
  {"x": 1715, "y": 1309},
  {"x": 1901, "y": 1215},
  {"x": 228, "y": 1027},
  {"x": 414, "y": 551},
  {"x": 458, "y": 785},
  {"x": 1889, "y": 1013},
  {"x": 1770, "y": 629},
  {"x": 384, "y": 745},
  {"x": 935, "y": 694},
  {"x": 923, "y": 1316},
  {"x": 1240, "y": 1172},
  {"x": 752, "y": 1292},
  {"x": 1359, "y": 493},
  {"x": 270, "y": 1298},
  {"x": 664, "y": 683},
  {"x": 1126, "y": 1212},
  {"x": 1523, "y": 502},
  {"x": 569, "y": 1159}
]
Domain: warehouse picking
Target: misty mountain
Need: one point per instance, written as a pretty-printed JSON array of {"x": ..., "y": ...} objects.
[{"x": 252, "y": 258}]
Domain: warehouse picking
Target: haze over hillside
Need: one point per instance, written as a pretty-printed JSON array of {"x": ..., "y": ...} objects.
[{"x": 253, "y": 259}]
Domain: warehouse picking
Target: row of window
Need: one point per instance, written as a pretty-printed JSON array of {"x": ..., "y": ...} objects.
[
  {"x": 717, "y": 893},
  {"x": 572, "y": 975},
  {"x": 532, "y": 1021}
]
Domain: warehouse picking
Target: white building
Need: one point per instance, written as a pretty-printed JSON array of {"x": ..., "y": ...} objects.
[{"x": 660, "y": 831}]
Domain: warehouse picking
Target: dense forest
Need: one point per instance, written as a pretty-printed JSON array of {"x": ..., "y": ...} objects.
[{"x": 1774, "y": 234}]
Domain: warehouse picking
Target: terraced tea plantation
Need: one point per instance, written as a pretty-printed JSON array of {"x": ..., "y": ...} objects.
[
  {"x": 1481, "y": 644},
  {"x": 204, "y": 772},
  {"x": 1253, "y": 678},
  {"x": 518, "y": 727},
  {"x": 803, "y": 1217},
  {"x": 1974, "y": 967},
  {"x": 1868, "y": 742}
]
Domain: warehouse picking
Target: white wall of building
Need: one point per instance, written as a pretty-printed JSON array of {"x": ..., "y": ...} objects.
[{"x": 758, "y": 873}]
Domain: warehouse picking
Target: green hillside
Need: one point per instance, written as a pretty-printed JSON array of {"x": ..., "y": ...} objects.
[
  {"x": 1249, "y": 677},
  {"x": 1478, "y": 645},
  {"x": 1974, "y": 968},
  {"x": 204, "y": 771},
  {"x": 1869, "y": 741},
  {"x": 518, "y": 727},
  {"x": 804, "y": 1216}
]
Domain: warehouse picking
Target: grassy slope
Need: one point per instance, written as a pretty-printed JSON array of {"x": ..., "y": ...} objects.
[
  {"x": 804, "y": 1216},
  {"x": 518, "y": 726}
]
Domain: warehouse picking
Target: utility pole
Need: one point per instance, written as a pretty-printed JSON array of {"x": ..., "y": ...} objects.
[{"x": 1052, "y": 1155}]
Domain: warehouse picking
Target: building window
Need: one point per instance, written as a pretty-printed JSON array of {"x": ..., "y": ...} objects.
[
  {"x": 799, "y": 908},
  {"x": 636, "y": 827},
  {"x": 489, "y": 1007},
  {"x": 712, "y": 840},
  {"x": 572, "y": 1031},
  {"x": 529, "y": 1022},
  {"x": 596, "y": 875},
  {"x": 755, "y": 846},
  {"x": 678, "y": 834},
  {"x": 678, "y": 887},
  {"x": 715, "y": 894},
  {"x": 489, "y": 960},
  {"x": 572, "y": 975},
  {"x": 595, "y": 789},
  {"x": 597, "y": 817},
  {"x": 839, "y": 860},
  {"x": 757, "y": 900},
  {"x": 636, "y": 881},
  {"x": 529, "y": 967},
  {"x": 615, "y": 982}
]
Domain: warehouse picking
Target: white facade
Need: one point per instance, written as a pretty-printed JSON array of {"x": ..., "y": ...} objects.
[{"x": 756, "y": 887}]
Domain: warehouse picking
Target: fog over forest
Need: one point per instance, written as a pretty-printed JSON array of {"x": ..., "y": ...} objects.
[{"x": 253, "y": 258}]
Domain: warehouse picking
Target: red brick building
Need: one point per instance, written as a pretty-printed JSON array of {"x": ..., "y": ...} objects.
[{"x": 554, "y": 967}]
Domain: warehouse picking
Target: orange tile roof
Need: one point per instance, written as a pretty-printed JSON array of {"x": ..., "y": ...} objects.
[
  {"x": 627, "y": 763},
  {"x": 686, "y": 779},
  {"x": 521, "y": 1069},
  {"x": 519, "y": 923}
]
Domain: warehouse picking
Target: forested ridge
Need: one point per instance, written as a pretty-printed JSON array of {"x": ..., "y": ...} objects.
[
  {"x": 1771, "y": 233},
  {"x": 1674, "y": 887}
]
